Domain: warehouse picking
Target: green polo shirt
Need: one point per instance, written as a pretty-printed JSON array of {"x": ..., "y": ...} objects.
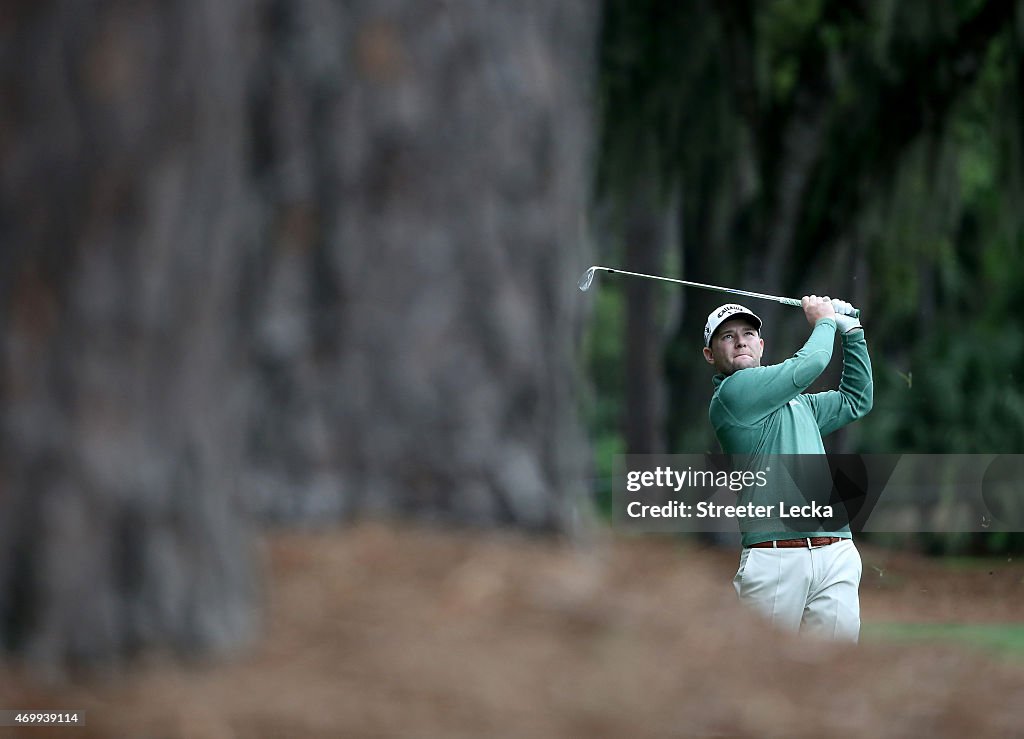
[{"x": 762, "y": 411}]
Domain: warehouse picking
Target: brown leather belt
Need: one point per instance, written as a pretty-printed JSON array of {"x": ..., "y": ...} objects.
[{"x": 814, "y": 541}]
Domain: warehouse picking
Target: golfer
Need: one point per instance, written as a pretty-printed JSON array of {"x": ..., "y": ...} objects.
[{"x": 801, "y": 580}]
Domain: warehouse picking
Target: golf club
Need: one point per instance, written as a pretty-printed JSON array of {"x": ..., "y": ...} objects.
[{"x": 588, "y": 278}]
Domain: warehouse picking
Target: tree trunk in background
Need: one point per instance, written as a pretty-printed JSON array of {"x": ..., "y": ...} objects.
[
  {"x": 123, "y": 209},
  {"x": 425, "y": 175},
  {"x": 645, "y": 337},
  {"x": 319, "y": 254},
  {"x": 689, "y": 386}
]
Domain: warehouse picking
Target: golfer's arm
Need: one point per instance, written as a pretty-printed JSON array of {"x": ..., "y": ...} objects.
[
  {"x": 751, "y": 394},
  {"x": 855, "y": 396}
]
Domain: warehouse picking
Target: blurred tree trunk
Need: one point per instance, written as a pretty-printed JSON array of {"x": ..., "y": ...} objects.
[
  {"x": 644, "y": 251},
  {"x": 689, "y": 377},
  {"x": 317, "y": 256},
  {"x": 424, "y": 172},
  {"x": 121, "y": 218}
]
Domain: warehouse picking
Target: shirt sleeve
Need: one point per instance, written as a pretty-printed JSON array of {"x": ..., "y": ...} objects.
[
  {"x": 855, "y": 396},
  {"x": 749, "y": 395}
]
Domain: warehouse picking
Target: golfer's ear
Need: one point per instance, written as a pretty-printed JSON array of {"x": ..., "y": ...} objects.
[{"x": 709, "y": 356}]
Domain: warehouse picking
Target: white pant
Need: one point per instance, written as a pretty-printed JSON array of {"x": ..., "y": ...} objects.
[{"x": 812, "y": 590}]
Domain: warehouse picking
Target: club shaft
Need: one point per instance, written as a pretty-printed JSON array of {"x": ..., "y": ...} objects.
[
  {"x": 717, "y": 288},
  {"x": 705, "y": 286}
]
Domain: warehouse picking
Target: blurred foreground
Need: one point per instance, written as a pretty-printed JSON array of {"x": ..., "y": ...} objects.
[{"x": 399, "y": 631}]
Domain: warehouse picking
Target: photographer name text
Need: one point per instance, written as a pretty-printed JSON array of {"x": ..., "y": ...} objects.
[{"x": 706, "y": 509}]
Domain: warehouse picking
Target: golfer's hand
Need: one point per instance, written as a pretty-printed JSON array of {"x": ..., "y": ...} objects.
[
  {"x": 816, "y": 308},
  {"x": 845, "y": 320}
]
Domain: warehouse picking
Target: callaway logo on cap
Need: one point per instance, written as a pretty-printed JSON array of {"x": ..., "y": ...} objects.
[{"x": 724, "y": 313}]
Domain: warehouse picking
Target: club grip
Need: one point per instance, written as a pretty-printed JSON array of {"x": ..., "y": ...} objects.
[
  {"x": 798, "y": 304},
  {"x": 854, "y": 314}
]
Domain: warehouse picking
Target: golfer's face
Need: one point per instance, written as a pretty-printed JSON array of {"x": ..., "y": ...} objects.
[{"x": 735, "y": 346}]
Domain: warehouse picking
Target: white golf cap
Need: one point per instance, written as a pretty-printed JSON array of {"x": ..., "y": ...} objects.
[{"x": 724, "y": 313}]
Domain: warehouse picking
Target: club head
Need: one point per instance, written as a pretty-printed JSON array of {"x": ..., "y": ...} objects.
[{"x": 587, "y": 278}]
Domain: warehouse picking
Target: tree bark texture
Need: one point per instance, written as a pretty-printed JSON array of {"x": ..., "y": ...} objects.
[
  {"x": 313, "y": 259},
  {"x": 424, "y": 174},
  {"x": 123, "y": 204}
]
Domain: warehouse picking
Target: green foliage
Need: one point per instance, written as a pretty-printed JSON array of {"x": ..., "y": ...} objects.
[
  {"x": 1006, "y": 640},
  {"x": 602, "y": 352},
  {"x": 876, "y": 148},
  {"x": 946, "y": 255},
  {"x": 661, "y": 94}
]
